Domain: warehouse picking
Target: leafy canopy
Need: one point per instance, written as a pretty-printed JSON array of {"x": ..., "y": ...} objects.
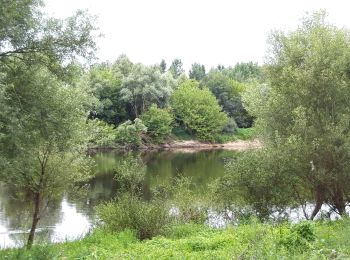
[
  {"x": 305, "y": 108},
  {"x": 198, "y": 110},
  {"x": 158, "y": 122}
]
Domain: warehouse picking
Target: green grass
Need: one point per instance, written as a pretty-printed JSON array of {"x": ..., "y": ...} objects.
[
  {"x": 181, "y": 134},
  {"x": 308, "y": 240},
  {"x": 245, "y": 133},
  {"x": 240, "y": 134}
]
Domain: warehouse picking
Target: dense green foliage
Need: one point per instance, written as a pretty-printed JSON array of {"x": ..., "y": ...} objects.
[
  {"x": 51, "y": 107},
  {"x": 101, "y": 133},
  {"x": 105, "y": 83},
  {"x": 144, "y": 86},
  {"x": 31, "y": 37},
  {"x": 176, "y": 68},
  {"x": 129, "y": 133},
  {"x": 197, "y": 72},
  {"x": 320, "y": 240},
  {"x": 43, "y": 110},
  {"x": 198, "y": 110},
  {"x": 302, "y": 116},
  {"x": 159, "y": 122},
  {"x": 146, "y": 219},
  {"x": 244, "y": 72},
  {"x": 125, "y": 91},
  {"x": 228, "y": 93}
]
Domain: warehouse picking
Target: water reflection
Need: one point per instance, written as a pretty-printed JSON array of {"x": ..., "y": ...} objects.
[
  {"x": 77, "y": 223},
  {"x": 72, "y": 216}
]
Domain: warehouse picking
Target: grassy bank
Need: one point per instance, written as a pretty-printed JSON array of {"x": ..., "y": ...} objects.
[
  {"x": 307, "y": 240},
  {"x": 239, "y": 134}
]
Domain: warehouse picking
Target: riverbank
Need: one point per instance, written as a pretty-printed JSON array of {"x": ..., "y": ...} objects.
[
  {"x": 188, "y": 146},
  {"x": 307, "y": 240},
  {"x": 193, "y": 145},
  {"x": 242, "y": 139}
]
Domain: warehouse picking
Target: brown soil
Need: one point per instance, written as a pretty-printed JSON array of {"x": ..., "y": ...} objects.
[
  {"x": 189, "y": 146},
  {"x": 193, "y": 146}
]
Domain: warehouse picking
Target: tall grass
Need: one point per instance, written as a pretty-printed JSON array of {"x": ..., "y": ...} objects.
[{"x": 254, "y": 240}]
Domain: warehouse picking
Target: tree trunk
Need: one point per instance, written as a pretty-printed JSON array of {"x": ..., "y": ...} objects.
[
  {"x": 338, "y": 200},
  {"x": 319, "y": 201},
  {"x": 35, "y": 220},
  {"x": 135, "y": 110}
]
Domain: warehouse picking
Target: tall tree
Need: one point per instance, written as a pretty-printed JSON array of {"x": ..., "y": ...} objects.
[
  {"x": 162, "y": 66},
  {"x": 244, "y": 72},
  {"x": 42, "y": 119},
  {"x": 306, "y": 109},
  {"x": 105, "y": 83},
  {"x": 176, "y": 68},
  {"x": 42, "y": 130},
  {"x": 144, "y": 86},
  {"x": 198, "y": 110},
  {"x": 26, "y": 34},
  {"x": 229, "y": 94},
  {"x": 197, "y": 71}
]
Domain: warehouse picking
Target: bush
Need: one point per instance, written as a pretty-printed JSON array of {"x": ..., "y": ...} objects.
[
  {"x": 130, "y": 175},
  {"x": 298, "y": 237},
  {"x": 146, "y": 219},
  {"x": 199, "y": 110},
  {"x": 158, "y": 122},
  {"x": 102, "y": 134},
  {"x": 129, "y": 133},
  {"x": 230, "y": 127},
  {"x": 189, "y": 207}
]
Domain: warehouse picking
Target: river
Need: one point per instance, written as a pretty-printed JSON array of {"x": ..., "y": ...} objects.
[{"x": 72, "y": 216}]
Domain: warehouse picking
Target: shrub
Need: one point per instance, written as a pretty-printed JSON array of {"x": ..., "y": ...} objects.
[
  {"x": 102, "y": 134},
  {"x": 129, "y": 133},
  {"x": 198, "y": 110},
  {"x": 158, "y": 122},
  {"x": 146, "y": 219},
  {"x": 298, "y": 237},
  {"x": 188, "y": 206},
  {"x": 230, "y": 127},
  {"x": 130, "y": 175}
]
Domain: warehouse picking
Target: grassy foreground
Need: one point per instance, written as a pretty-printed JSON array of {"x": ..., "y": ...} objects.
[{"x": 307, "y": 240}]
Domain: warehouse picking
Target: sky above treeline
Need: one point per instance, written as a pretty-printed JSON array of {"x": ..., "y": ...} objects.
[{"x": 209, "y": 32}]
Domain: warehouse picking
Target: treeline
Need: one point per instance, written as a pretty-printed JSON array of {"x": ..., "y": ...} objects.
[
  {"x": 47, "y": 98},
  {"x": 202, "y": 104}
]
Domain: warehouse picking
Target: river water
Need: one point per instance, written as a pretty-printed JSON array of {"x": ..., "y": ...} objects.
[{"x": 72, "y": 216}]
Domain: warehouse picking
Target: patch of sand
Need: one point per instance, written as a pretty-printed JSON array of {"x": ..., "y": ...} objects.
[{"x": 193, "y": 146}]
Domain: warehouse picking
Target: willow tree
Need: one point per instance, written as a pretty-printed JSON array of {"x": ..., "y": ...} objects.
[
  {"x": 305, "y": 109},
  {"x": 145, "y": 85},
  {"x": 42, "y": 138},
  {"x": 198, "y": 110},
  {"x": 42, "y": 118}
]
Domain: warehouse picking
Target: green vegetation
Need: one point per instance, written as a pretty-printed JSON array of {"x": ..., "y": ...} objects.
[
  {"x": 302, "y": 118},
  {"x": 102, "y": 134},
  {"x": 317, "y": 240},
  {"x": 125, "y": 91},
  {"x": 228, "y": 93},
  {"x": 43, "y": 110},
  {"x": 145, "y": 219},
  {"x": 52, "y": 108},
  {"x": 129, "y": 133},
  {"x": 238, "y": 134},
  {"x": 198, "y": 110},
  {"x": 159, "y": 123}
]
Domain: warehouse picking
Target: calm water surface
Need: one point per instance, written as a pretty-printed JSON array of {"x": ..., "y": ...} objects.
[{"x": 73, "y": 215}]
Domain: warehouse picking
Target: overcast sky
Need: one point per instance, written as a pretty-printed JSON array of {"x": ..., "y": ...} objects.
[{"x": 210, "y": 32}]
